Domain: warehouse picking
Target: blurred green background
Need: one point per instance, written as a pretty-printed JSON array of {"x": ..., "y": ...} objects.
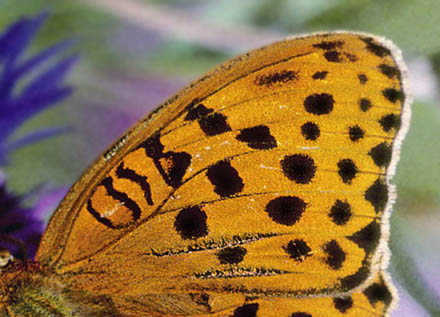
[{"x": 134, "y": 54}]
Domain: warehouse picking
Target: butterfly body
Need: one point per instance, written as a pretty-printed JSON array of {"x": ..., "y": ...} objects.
[{"x": 260, "y": 190}]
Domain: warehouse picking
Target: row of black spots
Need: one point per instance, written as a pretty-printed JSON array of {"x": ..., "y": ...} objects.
[
  {"x": 171, "y": 165},
  {"x": 191, "y": 223},
  {"x": 332, "y": 54},
  {"x": 142, "y": 181},
  {"x": 335, "y": 255},
  {"x": 286, "y": 210},
  {"x": 388, "y": 122},
  {"x": 258, "y": 138},
  {"x": 377, "y": 195},
  {"x": 378, "y": 292},
  {"x": 210, "y": 122},
  {"x": 323, "y": 74},
  {"x": 299, "y": 168},
  {"x": 225, "y": 179},
  {"x": 311, "y": 131},
  {"x": 298, "y": 250},
  {"x": 128, "y": 203},
  {"x": 280, "y": 77},
  {"x": 319, "y": 104}
]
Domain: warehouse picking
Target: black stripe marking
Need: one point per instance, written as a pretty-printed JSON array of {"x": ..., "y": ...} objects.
[
  {"x": 142, "y": 181},
  {"x": 117, "y": 195}
]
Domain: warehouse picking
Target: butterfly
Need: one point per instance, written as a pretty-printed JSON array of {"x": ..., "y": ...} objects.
[{"x": 262, "y": 189}]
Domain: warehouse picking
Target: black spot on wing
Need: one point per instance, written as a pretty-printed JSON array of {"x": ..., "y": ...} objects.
[
  {"x": 390, "y": 121},
  {"x": 174, "y": 167},
  {"x": 225, "y": 179},
  {"x": 214, "y": 124},
  {"x": 377, "y": 195},
  {"x": 297, "y": 250},
  {"x": 390, "y": 71},
  {"x": 258, "y": 137},
  {"x": 231, "y": 255},
  {"x": 286, "y": 210},
  {"x": 340, "y": 213},
  {"x": 299, "y": 168},
  {"x": 333, "y": 56},
  {"x": 310, "y": 131},
  {"x": 381, "y": 154},
  {"x": 191, "y": 223},
  {"x": 276, "y": 78},
  {"x": 393, "y": 95},
  {"x": 335, "y": 255},
  {"x": 197, "y": 112},
  {"x": 210, "y": 122},
  {"x": 319, "y": 104},
  {"x": 362, "y": 79},
  {"x": 365, "y": 104},
  {"x": 351, "y": 281},
  {"x": 343, "y": 304},
  {"x": 347, "y": 170},
  {"x": 329, "y": 45},
  {"x": 378, "y": 292},
  {"x": 320, "y": 75},
  {"x": 368, "y": 237},
  {"x": 247, "y": 310},
  {"x": 355, "y": 133},
  {"x": 375, "y": 48}
]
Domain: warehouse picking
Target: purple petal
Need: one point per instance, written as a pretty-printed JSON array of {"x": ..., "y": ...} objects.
[
  {"x": 51, "y": 78},
  {"x": 18, "y": 36},
  {"x": 36, "y": 136},
  {"x": 25, "y": 108},
  {"x": 11, "y": 76}
]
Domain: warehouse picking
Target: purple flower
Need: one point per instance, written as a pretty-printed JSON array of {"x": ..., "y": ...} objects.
[
  {"x": 21, "y": 227},
  {"x": 41, "y": 92}
]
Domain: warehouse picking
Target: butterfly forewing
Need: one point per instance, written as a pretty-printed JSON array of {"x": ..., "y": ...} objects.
[{"x": 268, "y": 177}]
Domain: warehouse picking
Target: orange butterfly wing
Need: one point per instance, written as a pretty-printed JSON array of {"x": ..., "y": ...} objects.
[{"x": 267, "y": 178}]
